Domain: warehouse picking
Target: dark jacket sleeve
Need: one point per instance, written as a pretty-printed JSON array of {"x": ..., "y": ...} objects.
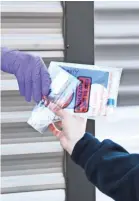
[{"x": 109, "y": 167}]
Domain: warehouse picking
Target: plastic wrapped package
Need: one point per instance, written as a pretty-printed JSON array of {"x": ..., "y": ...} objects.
[
  {"x": 97, "y": 93},
  {"x": 62, "y": 88},
  {"x": 84, "y": 90}
]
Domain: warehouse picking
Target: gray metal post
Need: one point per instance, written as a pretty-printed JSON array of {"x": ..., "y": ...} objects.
[{"x": 79, "y": 48}]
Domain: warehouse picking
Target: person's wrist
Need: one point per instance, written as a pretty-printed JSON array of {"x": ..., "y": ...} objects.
[{"x": 73, "y": 143}]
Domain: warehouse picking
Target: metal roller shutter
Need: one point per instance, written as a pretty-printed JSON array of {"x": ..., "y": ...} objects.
[
  {"x": 117, "y": 45},
  {"x": 32, "y": 165}
]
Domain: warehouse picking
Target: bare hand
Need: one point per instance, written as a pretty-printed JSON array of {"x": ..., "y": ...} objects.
[{"x": 73, "y": 128}]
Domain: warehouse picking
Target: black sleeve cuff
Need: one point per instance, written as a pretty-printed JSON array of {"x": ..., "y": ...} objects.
[{"x": 84, "y": 149}]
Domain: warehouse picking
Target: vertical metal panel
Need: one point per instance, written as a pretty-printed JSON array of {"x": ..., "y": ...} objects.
[
  {"x": 32, "y": 165},
  {"x": 117, "y": 44},
  {"x": 79, "y": 48}
]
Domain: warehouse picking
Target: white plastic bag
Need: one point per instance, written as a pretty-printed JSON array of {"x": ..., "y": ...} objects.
[
  {"x": 62, "y": 88},
  {"x": 84, "y": 90},
  {"x": 97, "y": 93}
]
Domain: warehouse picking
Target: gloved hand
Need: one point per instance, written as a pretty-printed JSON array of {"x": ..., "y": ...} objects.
[
  {"x": 73, "y": 128},
  {"x": 30, "y": 71}
]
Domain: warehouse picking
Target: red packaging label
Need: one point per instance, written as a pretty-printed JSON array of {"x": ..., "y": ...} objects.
[{"x": 83, "y": 95}]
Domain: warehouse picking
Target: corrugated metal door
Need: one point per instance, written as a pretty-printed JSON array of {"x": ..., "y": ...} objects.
[
  {"x": 32, "y": 165},
  {"x": 117, "y": 45}
]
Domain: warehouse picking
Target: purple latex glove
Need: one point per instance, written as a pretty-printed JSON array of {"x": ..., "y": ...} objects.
[{"x": 30, "y": 71}]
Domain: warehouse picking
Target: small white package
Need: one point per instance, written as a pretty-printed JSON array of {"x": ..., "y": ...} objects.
[{"x": 63, "y": 87}]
